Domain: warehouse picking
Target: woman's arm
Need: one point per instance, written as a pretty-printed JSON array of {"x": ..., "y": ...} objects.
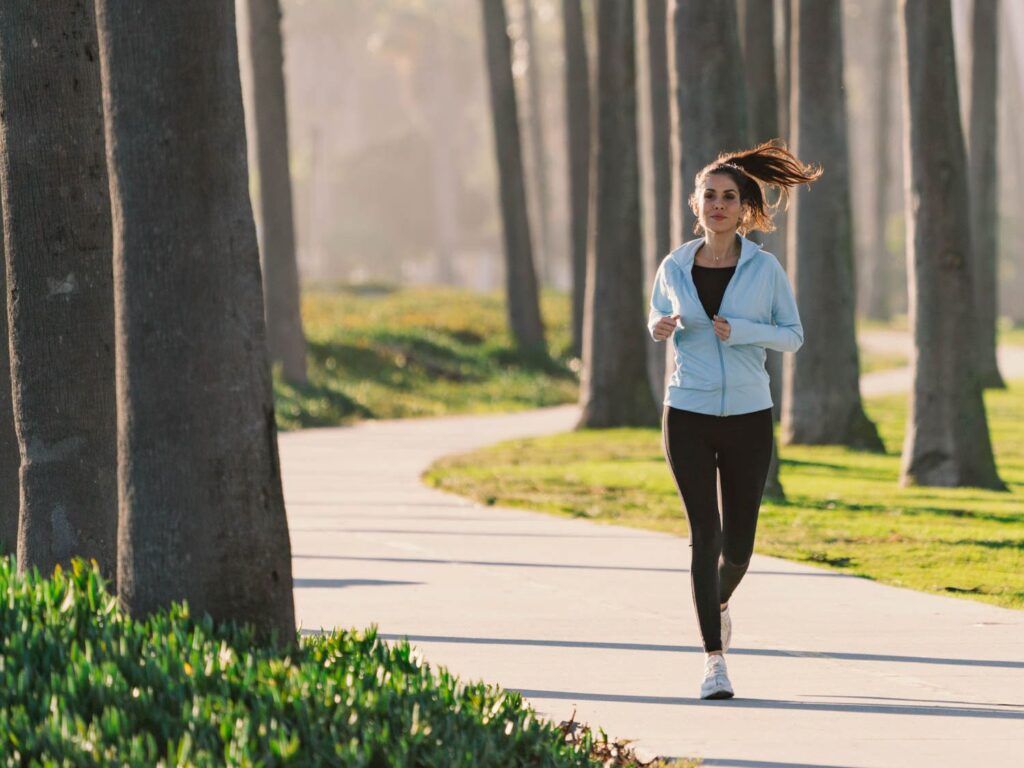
[
  {"x": 785, "y": 333},
  {"x": 661, "y": 304}
]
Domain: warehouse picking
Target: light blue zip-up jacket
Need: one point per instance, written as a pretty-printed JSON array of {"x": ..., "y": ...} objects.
[{"x": 725, "y": 378}]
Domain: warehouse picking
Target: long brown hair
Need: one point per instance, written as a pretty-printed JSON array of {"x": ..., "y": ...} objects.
[{"x": 769, "y": 164}]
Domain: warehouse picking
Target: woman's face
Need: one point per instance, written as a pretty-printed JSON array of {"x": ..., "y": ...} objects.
[{"x": 720, "y": 207}]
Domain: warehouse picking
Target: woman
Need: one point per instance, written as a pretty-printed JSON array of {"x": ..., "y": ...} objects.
[{"x": 724, "y": 301}]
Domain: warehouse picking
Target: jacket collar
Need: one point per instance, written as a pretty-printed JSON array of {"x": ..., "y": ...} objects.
[{"x": 687, "y": 252}]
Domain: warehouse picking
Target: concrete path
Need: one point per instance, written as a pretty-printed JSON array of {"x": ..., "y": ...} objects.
[{"x": 829, "y": 670}]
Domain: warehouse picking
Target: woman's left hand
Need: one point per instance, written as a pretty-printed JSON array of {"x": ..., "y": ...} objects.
[{"x": 722, "y": 329}]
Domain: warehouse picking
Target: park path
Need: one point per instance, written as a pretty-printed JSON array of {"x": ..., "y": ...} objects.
[{"x": 830, "y": 670}]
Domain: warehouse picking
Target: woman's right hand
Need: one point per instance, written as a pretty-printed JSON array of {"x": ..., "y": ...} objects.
[{"x": 665, "y": 327}]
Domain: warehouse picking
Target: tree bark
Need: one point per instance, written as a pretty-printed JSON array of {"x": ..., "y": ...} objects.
[
  {"x": 877, "y": 304},
  {"x": 709, "y": 90},
  {"x": 822, "y": 402},
  {"x": 61, "y": 314},
  {"x": 947, "y": 441},
  {"x": 538, "y": 146},
  {"x": 656, "y": 44},
  {"x": 202, "y": 512},
  {"x": 614, "y": 390},
  {"x": 983, "y": 184},
  {"x": 577, "y": 120},
  {"x": 10, "y": 456},
  {"x": 285, "y": 339},
  {"x": 520, "y": 278}
]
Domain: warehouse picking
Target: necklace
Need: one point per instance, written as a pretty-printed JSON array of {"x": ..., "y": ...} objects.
[{"x": 716, "y": 257}]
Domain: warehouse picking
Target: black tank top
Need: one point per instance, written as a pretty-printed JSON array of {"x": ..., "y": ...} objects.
[{"x": 711, "y": 283}]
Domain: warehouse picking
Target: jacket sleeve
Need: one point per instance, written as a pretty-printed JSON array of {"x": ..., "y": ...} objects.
[
  {"x": 785, "y": 333},
  {"x": 661, "y": 304}
]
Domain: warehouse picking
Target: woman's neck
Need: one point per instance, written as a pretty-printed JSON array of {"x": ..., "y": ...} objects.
[{"x": 719, "y": 244}]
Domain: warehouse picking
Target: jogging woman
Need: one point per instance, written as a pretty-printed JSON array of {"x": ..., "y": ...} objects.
[{"x": 724, "y": 300}]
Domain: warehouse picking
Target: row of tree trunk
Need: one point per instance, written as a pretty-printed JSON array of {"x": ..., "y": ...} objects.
[
  {"x": 717, "y": 97},
  {"x": 141, "y": 391}
]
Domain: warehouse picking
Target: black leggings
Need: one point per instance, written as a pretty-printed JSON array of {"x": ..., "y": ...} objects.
[{"x": 740, "y": 447}]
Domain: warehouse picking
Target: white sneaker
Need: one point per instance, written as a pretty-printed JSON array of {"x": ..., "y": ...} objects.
[
  {"x": 716, "y": 683},
  {"x": 726, "y": 629}
]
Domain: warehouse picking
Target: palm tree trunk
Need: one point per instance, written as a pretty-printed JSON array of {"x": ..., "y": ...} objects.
[
  {"x": 577, "y": 121},
  {"x": 614, "y": 390},
  {"x": 538, "y": 146},
  {"x": 58, "y": 251},
  {"x": 285, "y": 339},
  {"x": 822, "y": 402},
  {"x": 10, "y": 456},
  {"x": 947, "y": 441},
  {"x": 202, "y": 512},
  {"x": 520, "y": 278},
  {"x": 656, "y": 44},
  {"x": 710, "y": 95},
  {"x": 983, "y": 184}
]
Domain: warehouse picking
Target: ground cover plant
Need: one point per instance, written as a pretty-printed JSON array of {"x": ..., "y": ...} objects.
[
  {"x": 82, "y": 684},
  {"x": 844, "y": 510},
  {"x": 381, "y": 352}
]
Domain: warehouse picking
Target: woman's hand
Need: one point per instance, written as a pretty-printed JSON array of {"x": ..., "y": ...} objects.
[
  {"x": 722, "y": 329},
  {"x": 665, "y": 327}
]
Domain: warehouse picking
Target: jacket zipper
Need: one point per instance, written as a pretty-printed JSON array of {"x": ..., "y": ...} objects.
[{"x": 721, "y": 363}]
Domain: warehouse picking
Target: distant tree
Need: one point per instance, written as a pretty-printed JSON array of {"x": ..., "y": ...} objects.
[
  {"x": 947, "y": 441},
  {"x": 709, "y": 91},
  {"x": 58, "y": 257},
  {"x": 520, "y": 278},
  {"x": 763, "y": 112},
  {"x": 202, "y": 512},
  {"x": 538, "y": 144},
  {"x": 822, "y": 402},
  {"x": 614, "y": 390},
  {"x": 786, "y": 68},
  {"x": 10, "y": 458},
  {"x": 983, "y": 184},
  {"x": 655, "y": 42},
  {"x": 577, "y": 121},
  {"x": 878, "y": 287},
  {"x": 285, "y": 339}
]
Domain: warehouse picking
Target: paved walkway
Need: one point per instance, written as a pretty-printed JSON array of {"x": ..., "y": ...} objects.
[{"x": 830, "y": 670}]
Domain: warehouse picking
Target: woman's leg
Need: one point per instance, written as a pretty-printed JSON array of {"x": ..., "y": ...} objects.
[
  {"x": 744, "y": 453},
  {"x": 691, "y": 457}
]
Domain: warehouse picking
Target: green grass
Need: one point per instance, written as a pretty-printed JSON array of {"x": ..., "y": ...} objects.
[
  {"x": 844, "y": 510},
  {"x": 84, "y": 684},
  {"x": 394, "y": 353},
  {"x": 871, "y": 361}
]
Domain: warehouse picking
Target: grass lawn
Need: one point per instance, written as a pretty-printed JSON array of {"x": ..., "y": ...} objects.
[
  {"x": 844, "y": 510},
  {"x": 393, "y": 353}
]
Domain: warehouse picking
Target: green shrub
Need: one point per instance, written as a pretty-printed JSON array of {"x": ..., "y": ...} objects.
[{"x": 83, "y": 684}]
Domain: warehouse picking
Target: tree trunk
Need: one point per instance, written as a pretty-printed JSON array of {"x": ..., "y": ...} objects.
[
  {"x": 10, "y": 456},
  {"x": 710, "y": 95},
  {"x": 202, "y": 512},
  {"x": 656, "y": 43},
  {"x": 947, "y": 440},
  {"x": 285, "y": 339},
  {"x": 538, "y": 146},
  {"x": 983, "y": 184},
  {"x": 786, "y": 76},
  {"x": 520, "y": 278},
  {"x": 763, "y": 112},
  {"x": 58, "y": 251},
  {"x": 577, "y": 120},
  {"x": 878, "y": 286},
  {"x": 822, "y": 401},
  {"x": 614, "y": 390}
]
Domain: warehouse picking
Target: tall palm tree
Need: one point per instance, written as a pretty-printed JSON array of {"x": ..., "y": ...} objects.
[
  {"x": 202, "y": 513},
  {"x": 520, "y": 277},
  {"x": 614, "y": 389},
  {"x": 538, "y": 144},
  {"x": 58, "y": 256},
  {"x": 822, "y": 402},
  {"x": 983, "y": 184},
  {"x": 286, "y": 341},
  {"x": 947, "y": 441},
  {"x": 10, "y": 457},
  {"x": 577, "y": 134}
]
